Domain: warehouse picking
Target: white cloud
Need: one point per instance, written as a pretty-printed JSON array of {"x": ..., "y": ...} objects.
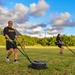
[
  {"x": 54, "y": 30},
  {"x": 17, "y": 15},
  {"x": 34, "y": 31},
  {"x": 20, "y": 17},
  {"x": 39, "y": 9},
  {"x": 59, "y": 22},
  {"x": 20, "y": 13},
  {"x": 21, "y": 9},
  {"x": 60, "y": 19},
  {"x": 63, "y": 20}
]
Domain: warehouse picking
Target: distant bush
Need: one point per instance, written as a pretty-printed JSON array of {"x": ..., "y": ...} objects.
[{"x": 50, "y": 41}]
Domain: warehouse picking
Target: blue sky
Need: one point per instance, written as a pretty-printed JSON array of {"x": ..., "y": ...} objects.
[{"x": 33, "y": 17}]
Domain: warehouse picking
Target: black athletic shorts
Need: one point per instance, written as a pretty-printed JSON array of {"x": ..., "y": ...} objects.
[
  {"x": 10, "y": 45},
  {"x": 59, "y": 45}
]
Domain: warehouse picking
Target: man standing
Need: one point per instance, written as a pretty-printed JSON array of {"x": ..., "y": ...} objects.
[{"x": 11, "y": 39}]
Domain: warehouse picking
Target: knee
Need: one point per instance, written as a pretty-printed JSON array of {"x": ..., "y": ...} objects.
[
  {"x": 62, "y": 47},
  {"x": 15, "y": 51},
  {"x": 11, "y": 50}
]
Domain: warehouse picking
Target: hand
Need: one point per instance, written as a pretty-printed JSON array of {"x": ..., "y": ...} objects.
[
  {"x": 63, "y": 43},
  {"x": 10, "y": 40}
]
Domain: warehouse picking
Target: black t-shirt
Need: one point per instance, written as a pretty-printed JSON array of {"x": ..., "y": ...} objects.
[
  {"x": 10, "y": 32},
  {"x": 58, "y": 39}
]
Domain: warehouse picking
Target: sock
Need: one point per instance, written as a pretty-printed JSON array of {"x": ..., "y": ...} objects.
[
  {"x": 7, "y": 57},
  {"x": 15, "y": 60}
]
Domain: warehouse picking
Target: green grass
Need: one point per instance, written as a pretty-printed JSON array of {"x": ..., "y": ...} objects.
[{"x": 57, "y": 64}]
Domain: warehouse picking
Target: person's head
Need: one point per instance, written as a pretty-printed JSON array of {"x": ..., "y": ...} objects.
[
  {"x": 58, "y": 35},
  {"x": 10, "y": 23}
]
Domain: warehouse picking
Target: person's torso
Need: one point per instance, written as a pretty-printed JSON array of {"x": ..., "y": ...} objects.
[
  {"x": 58, "y": 39},
  {"x": 11, "y": 33}
]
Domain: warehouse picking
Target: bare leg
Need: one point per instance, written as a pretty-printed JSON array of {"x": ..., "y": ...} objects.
[
  {"x": 10, "y": 52},
  {"x": 61, "y": 49},
  {"x": 15, "y": 54}
]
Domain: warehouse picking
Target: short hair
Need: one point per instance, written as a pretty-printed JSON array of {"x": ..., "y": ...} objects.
[
  {"x": 9, "y": 21},
  {"x": 58, "y": 35}
]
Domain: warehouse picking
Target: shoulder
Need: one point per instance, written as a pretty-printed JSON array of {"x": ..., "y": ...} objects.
[
  {"x": 58, "y": 38},
  {"x": 12, "y": 28},
  {"x": 5, "y": 28}
]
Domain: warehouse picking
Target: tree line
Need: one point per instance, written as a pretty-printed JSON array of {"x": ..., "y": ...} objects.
[{"x": 47, "y": 41}]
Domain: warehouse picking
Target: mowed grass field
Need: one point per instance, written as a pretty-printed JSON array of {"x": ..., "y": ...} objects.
[{"x": 57, "y": 64}]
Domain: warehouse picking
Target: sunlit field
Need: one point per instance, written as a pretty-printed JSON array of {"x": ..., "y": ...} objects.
[{"x": 57, "y": 64}]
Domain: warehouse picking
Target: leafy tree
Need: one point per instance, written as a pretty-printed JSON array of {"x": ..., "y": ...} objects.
[{"x": 50, "y": 41}]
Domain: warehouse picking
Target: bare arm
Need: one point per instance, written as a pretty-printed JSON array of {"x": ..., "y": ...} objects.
[
  {"x": 61, "y": 42},
  {"x": 16, "y": 38},
  {"x": 8, "y": 37}
]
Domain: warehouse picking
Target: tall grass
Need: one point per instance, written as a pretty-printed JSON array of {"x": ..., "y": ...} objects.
[{"x": 57, "y": 64}]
